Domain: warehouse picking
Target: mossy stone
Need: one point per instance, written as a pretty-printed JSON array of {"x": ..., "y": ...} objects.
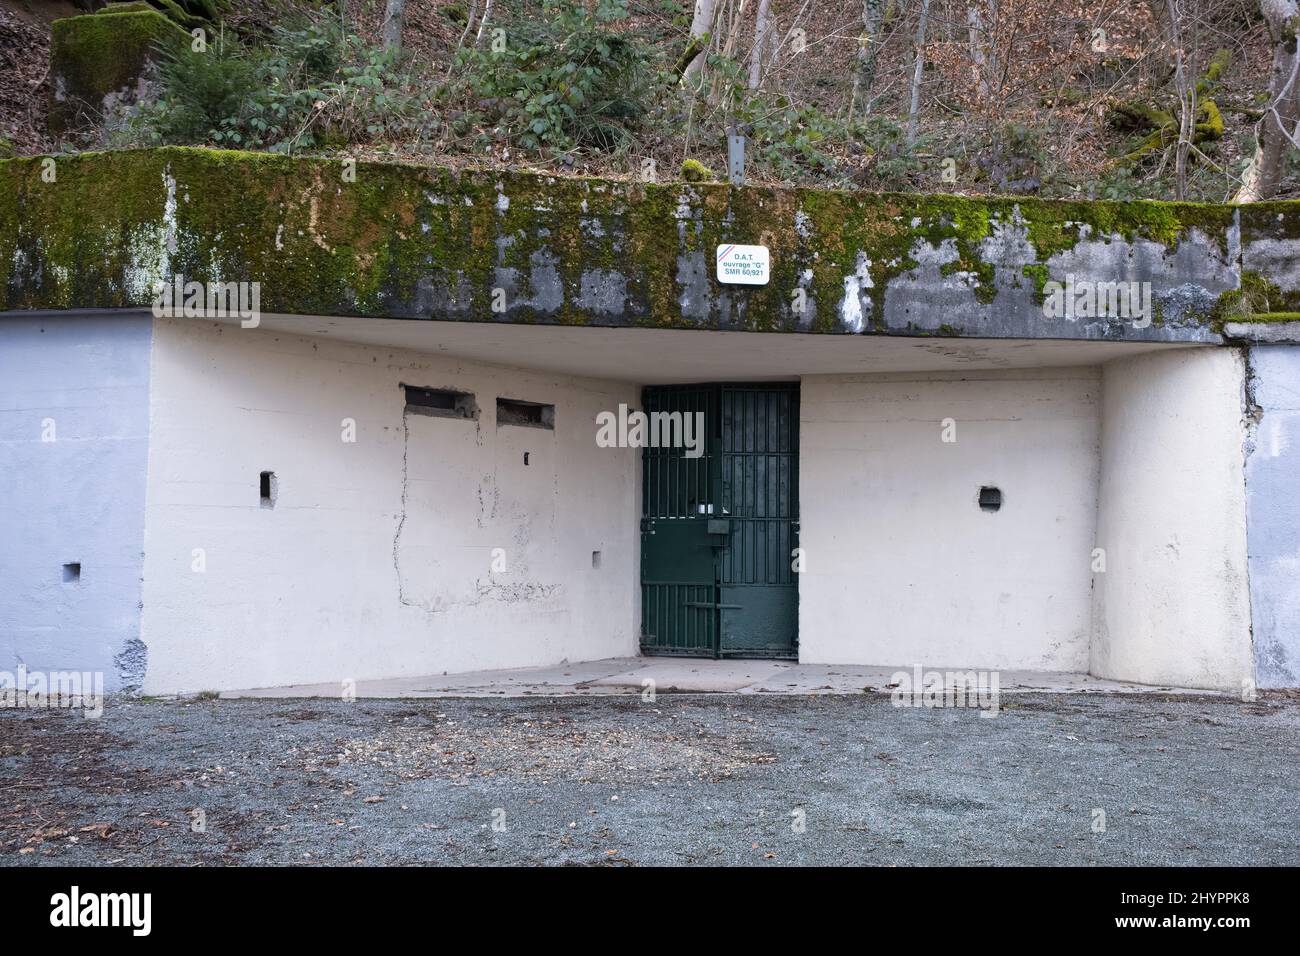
[
  {"x": 694, "y": 171},
  {"x": 95, "y": 55}
]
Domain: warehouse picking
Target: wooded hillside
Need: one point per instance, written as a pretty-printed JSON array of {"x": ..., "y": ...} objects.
[{"x": 1121, "y": 99}]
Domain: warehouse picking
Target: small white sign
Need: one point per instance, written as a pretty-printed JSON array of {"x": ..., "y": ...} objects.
[{"x": 743, "y": 265}]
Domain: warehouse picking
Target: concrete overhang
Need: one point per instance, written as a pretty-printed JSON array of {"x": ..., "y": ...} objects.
[
  {"x": 665, "y": 356},
  {"x": 324, "y": 237}
]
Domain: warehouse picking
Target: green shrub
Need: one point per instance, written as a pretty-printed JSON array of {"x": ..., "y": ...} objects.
[
  {"x": 311, "y": 86},
  {"x": 206, "y": 97},
  {"x": 789, "y": 139},
  {"x": 564, "y": 81}
]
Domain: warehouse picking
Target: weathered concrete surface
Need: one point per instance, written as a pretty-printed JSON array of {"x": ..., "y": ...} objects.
[
  {"x": 1273, "y": 508},
  {"x": 686, "y": 780},
  {"x": 1271, "y": 242},
  {"x": 1264, "y": 333},
  {"x": 327, "y": 237},
  {"x": 674, "y": 675}
]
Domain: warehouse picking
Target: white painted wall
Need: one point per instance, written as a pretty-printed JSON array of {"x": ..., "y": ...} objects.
[
  {"x": 309, "y": 591},
  {"x": 903, "y": 567},
  {"x": 1172, "y": 606},
  {"x": 1142, "y": 457},
  {"x": 74, "y": 438}
]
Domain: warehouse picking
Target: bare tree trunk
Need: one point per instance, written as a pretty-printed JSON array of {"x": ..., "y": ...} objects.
[
  {"x": 728, "y": 30},
  {"x": 977, "y": 27},
  {"x": 701, "y": 26},
  {"x": 915, "y": 108},
  {"x": 1277, "y": 131},
  {"x": 1186, "y": 98},
  {"x": 868, "y": 50},
  {"x": 760, "y": 41},
  {"x": 469, "y": 23},
  {"x": 482, "y": 24},
  {"x": 991, "y": 23},
  {"x": 394, "y": 14}
]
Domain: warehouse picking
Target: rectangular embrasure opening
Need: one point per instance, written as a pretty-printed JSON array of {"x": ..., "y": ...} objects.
[
  {"x": 511, "y": 411},
  {"x": 440, "y": 402}
]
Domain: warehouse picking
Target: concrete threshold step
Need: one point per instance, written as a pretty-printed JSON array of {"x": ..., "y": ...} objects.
[{"x": 667, "y": 675}]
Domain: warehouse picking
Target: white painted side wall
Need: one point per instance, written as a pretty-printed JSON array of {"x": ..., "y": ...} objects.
[
  {"x": 1172, "y": 606},
  {"x": 74, "y": 440},
  {"x": 308, "y": 591},
  {"x": 903, "y": 567}
]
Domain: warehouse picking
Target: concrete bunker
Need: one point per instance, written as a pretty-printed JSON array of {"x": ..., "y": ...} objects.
[{"x": 463, "y": 527}]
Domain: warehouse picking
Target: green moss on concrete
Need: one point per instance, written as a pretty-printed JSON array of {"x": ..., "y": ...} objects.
[
  {"x": 407, "y": 241},
  {"x": 1268, "y": 317},
  {"x": 94, "y": 55},
  {"x": 1256, "y": 300},
  {"x": 74, "y": 235},
  {"x": 889, "y": 228},
  {"x": 1038, "y": 275},
  {"x": 1056, "y": 227},
  {"x": 1279, "y": 219}
]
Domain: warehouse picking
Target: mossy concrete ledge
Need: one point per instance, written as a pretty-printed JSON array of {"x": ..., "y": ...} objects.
[{"x": 329, "y": 237}]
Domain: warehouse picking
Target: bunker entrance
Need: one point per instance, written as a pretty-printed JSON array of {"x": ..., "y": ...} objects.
[{"x": 719, "y": 529}]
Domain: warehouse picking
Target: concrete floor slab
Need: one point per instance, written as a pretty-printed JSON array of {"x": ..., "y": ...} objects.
[
  {"x": 692, "y": 675},
  {"x": 622, "y": 676}
]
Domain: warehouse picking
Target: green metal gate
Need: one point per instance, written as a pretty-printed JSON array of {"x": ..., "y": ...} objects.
[{"x": 718, "y": 531}]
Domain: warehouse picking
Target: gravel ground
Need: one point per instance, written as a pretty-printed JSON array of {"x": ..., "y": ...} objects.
[{"x": 683, "y": 780}]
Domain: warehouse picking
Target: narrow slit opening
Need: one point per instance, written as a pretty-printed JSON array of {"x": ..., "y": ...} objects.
[
  {"x": 512, "y": 411},
  {"x": 439, "y": 402}
]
